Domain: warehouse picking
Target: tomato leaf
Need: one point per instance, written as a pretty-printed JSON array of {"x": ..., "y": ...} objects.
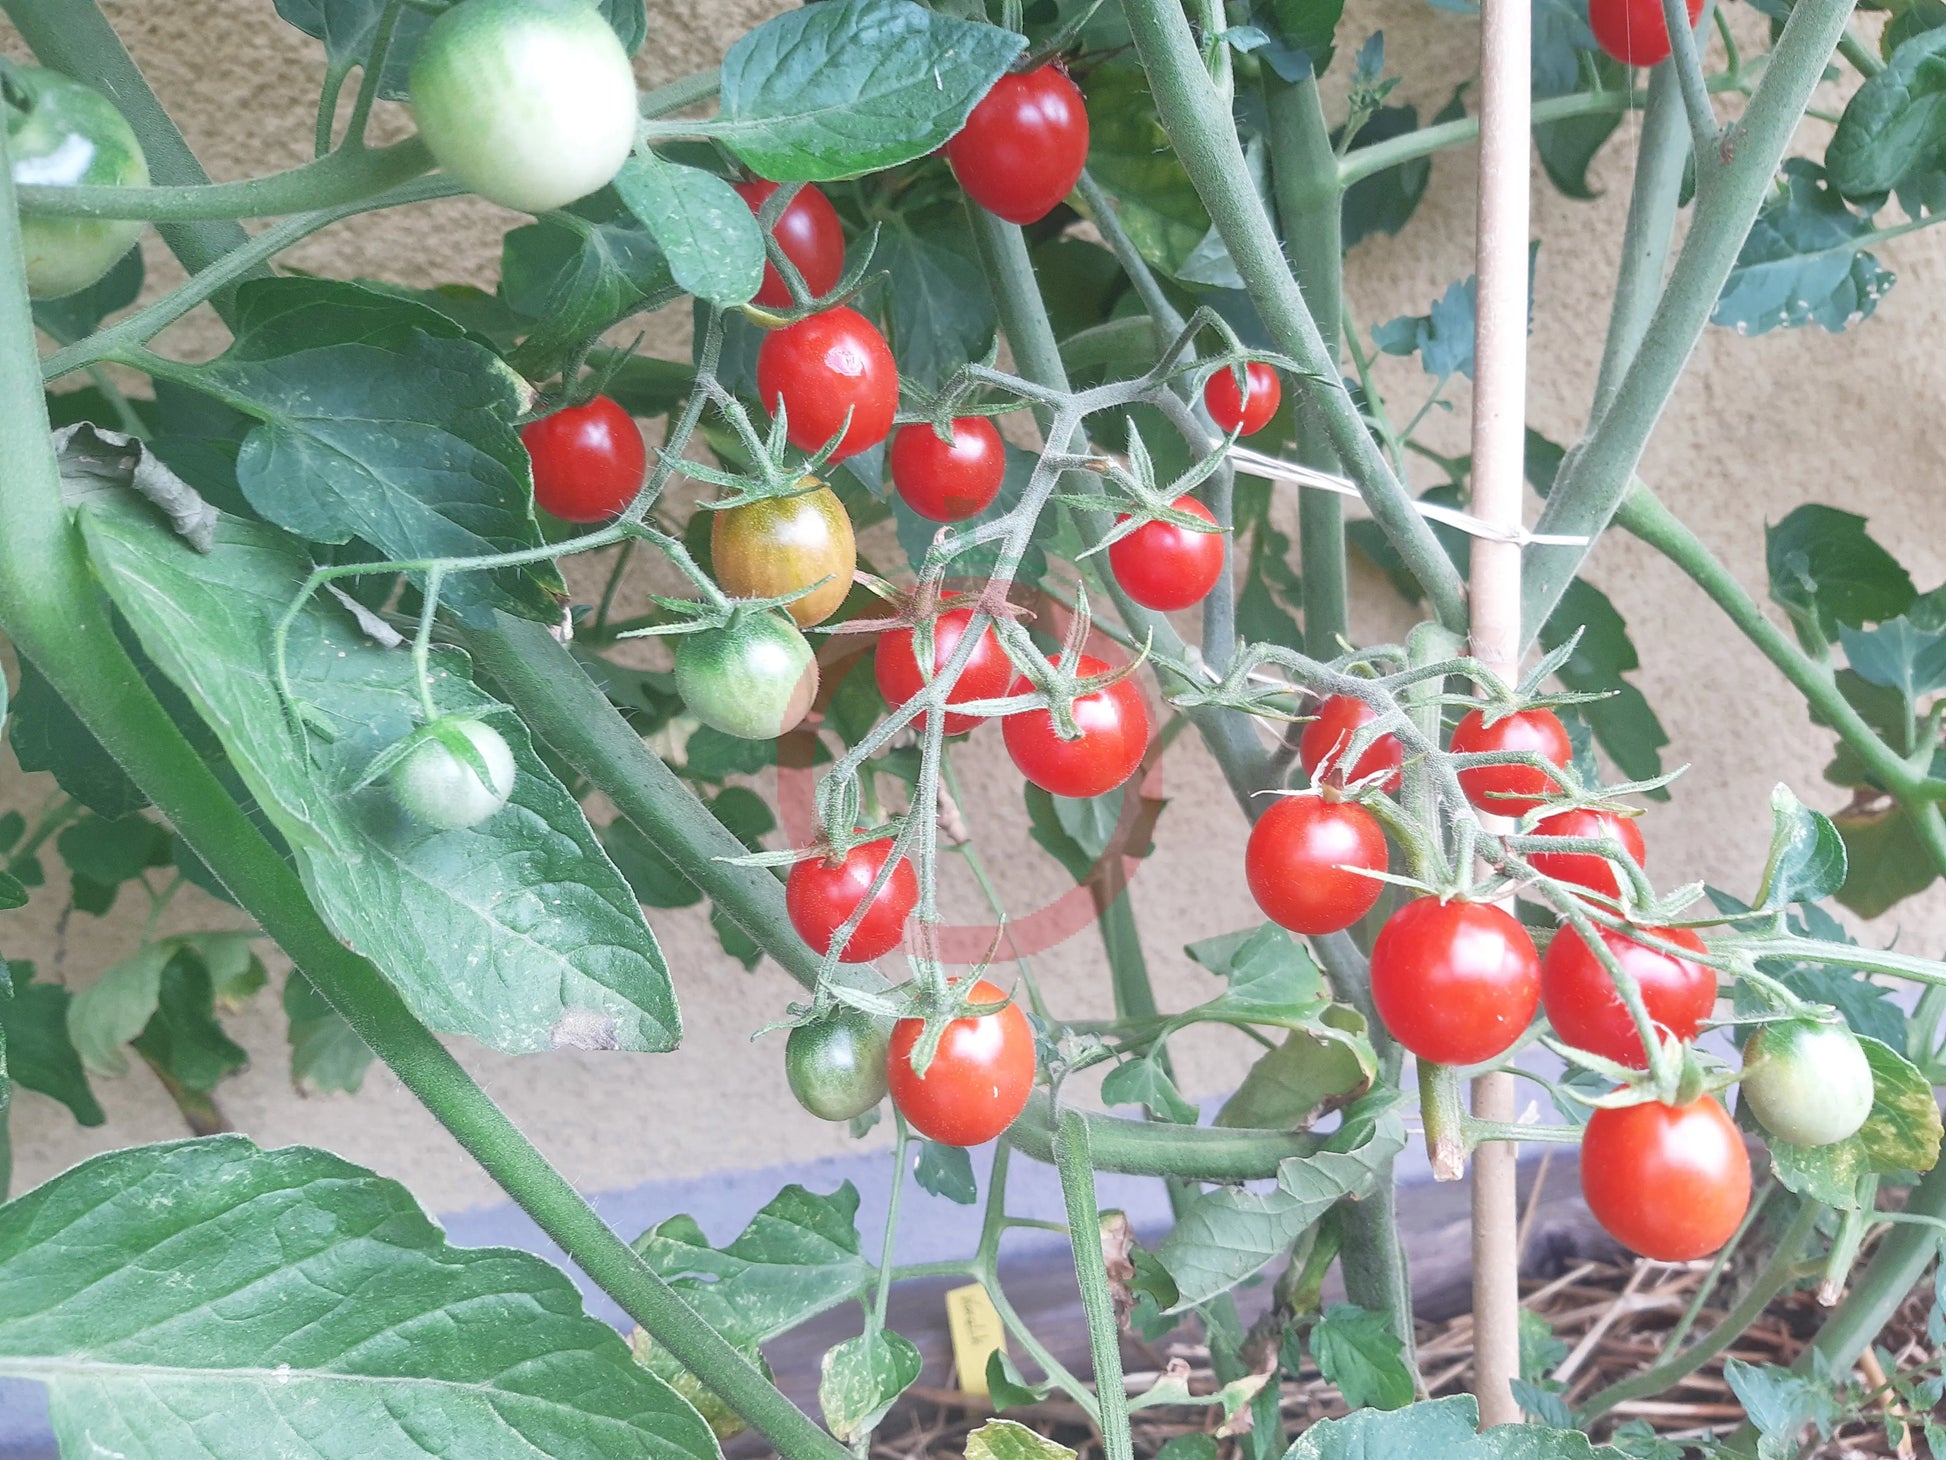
[
  {"x": 1781, "y": 1403},
  {"x": 946, "y": 1171},
  {"x": 1226, "y": 1233},
  {"x": 862, "y": 1376},
  {"x": 576, "y": 272},
  {"x": 1004, "y": 1439},
  {"x": 1144, "y": 1082},
  {"x": 1130, "y": 156},
  {"x": 37, "y": 1051},
  {"x": 518, "y": 932},
  {"x": 1901, "y": 1134},
  {"x": 446, "y": 1350},
  {"x": 182, "y": 1037},
  {"x": 1448, "y": 1428},
  {"x": 853, "y": 86},
  {"x": 706, "y": 232},
  {"x": 1886, "y": 857},
  {"x": 938, "y": 311},
  {"x": 1894, "y": 126},
  {"x": 1358, "y": 1351},
  {"x": 1269, "y": 972},
  {"x": 1807, "y": 856},
  {"x": 1007, "y": 1387},
  {"x": 1825, "y": 569},
  {"x": 1385, "y": 201},
  {"x": 1625, "y": 724},
  {"x": 1316, "y": 1067},
  {"x": 1898, "y": 655},
  {"x": 112, "y": 1010},
  {"x": 326, "y": 1052},
  {"x": 798, "y": 1257},
  {"x": 1804, "y": 261}
]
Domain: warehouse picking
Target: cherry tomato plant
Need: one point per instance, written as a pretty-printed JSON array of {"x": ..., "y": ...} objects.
[{"x": 291, "y": 626}]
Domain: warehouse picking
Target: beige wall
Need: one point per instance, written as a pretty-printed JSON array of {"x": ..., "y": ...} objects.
[{"x": 1758, "y": 427}]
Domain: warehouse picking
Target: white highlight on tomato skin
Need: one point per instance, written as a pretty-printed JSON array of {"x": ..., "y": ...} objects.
[
  {"x": 438, "y": 788},
  {"x": 530, "y": 105}
]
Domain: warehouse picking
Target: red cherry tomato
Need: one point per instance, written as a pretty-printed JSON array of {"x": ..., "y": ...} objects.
[
  {"x": 1299, "y": 863},
  {"x": 949, "y": 482},
  {"x": 1456, "y": 982},
  {"x": 1586, "y": 1011},
  {"x": 1165, "y": 567},
  {"x": 1585, "y": 869},
  {"x": 1114, "y": 726},
  {"x": 1634, "y": 32},
  {"x": 1510, "y": 790},
  {"x": 810, "y": 235},
  {"x": 976, "y": 1083},
  {"x": 985, "y": 677},
  {"x": 822, "y": 367},
  {"x": 1251, "y": 410},
  {"x": 588, "y": 460},
  {"x": 1328, "y": 737},
  {"x": 1668, "y": 1181},
  {"x": 820, "y": 895},
  {"x": 1023, "y": 148}
]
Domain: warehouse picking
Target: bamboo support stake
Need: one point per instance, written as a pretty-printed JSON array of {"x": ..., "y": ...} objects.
[{"x": 1499, "y": 426}]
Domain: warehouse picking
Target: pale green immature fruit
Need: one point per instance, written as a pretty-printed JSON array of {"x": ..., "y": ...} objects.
[
  {"x": 754, "y": 679},
  {"x": 69, "y": 136},
  {"x": 1808, "y": 1084},
  {"x": 530, "y": 103},
  {"x": 440, "y": 789}
]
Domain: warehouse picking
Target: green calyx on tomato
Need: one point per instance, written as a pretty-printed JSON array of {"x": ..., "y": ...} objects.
[
  {"x": 979, "y": 1078},
  {"x": 63, "y": 134},
  {"x": 456, "y": 774},
  {"x": 530, "y": 103},
  {"x": 753, "y": 677},
  {"x": 778, "y": 545},
  {"x": 836, "y": 1064},
  {"x": 1807, "y": 1083}
]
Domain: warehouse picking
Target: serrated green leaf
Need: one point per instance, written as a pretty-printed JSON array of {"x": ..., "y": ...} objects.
[
  {"x": 1824, "y": 566},
  {"x": 946, "y": 1171},
  {"x": 706, "y": 232},
  {"x": 1007, "y": 1387},
  {"x": 798, "y": 1257},
  {"x": 575, "y": 273},
  {"x": 1804, "y": 261},
  {"x": 1780, "y": 1404},
  {"x": 651, "y": 875},
  {"x": 1807, "y": 856},
  {"x": 517, "y": 932},
  {"x": 112, "y": 1010},
  {"x": 48, "y": 736},
  {"x": 860, "y": 1378},
  {"x": 853, "y": 86},
  {"x": 1226, "y": 1233},
  {"x": 1448, "y": 1428},
  {"x": 1358, "y": 1351},
  {"x": 326, "y": 1052},
  {"x": 939, "y": 312},
  {"x": 12, "y": 894},
  {"x": 1894, "y": 126},
  {"x": 710, "y": 755},
  {"x": 1899, "y": 655},
  {"x": 182, "y": 1037},
  {"x": 1886, "y": 859},
  {"x": 446, "y": 1350},
  {"x": 1901, "y": 1134},
  {"x": 1269, "y": 973},
  {"x": 1144, "y": 1082},
  {"x": 1314, "y": 1068},
  {"x": 39, "y": 1054},
  {"x": 1003, "y": 1439}
]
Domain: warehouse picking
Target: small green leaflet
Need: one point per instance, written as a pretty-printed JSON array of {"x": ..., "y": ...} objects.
[
  {"x": 1358, "y": 1351},
  {"x": 1446, "y": 1428},
  {"x": 852, "y": 86},
  {"x": 798, "y": 1257},
  {"x": 1825, "y": 568},
  {"x": 309, "y": 1301},
  {"x": 706, "y": 232},
  {"x": 946, "y": 1171},
  {"x": 1804, "y": 261},
  {"x": 861, "y": 1377},
  {"x": 1894, "y": 127},
  {"x": 1005, "y": 1439},
  {"x": 1807, "y": 856},
  {"x": 34, "y": 1039},
  {"x": 575, "y": 272}
]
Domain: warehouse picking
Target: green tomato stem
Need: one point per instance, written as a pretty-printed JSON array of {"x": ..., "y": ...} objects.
[
  {"x": 1076, "y": 1165},
  {"x": 1200, "y": 127},
  {"x": 348, "y": 175}
]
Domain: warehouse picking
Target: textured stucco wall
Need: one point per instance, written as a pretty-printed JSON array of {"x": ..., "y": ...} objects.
[{"x": 1758, "y": 427}]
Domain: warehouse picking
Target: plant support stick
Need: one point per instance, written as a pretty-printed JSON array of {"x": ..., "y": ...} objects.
[{"x": 1499, "y": 434}]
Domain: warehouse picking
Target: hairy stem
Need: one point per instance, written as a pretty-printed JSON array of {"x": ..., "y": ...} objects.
[
  {"x": 1076, "y": 1164},
  {"x": 1205, "y": 139},
  {"x": 345, "y": 176}
]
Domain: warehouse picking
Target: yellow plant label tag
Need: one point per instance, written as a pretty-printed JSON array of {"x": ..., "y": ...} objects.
[{"x": 977, "y": 1335}]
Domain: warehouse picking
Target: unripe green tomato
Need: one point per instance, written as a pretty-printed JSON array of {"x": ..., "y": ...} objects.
[
  {"x": 530, "y": 103},
  {"x": 754, "y": 679},
  {"x": 70, "y": 135},
  {"x": 438, "y": 788},
  {"x": 1808, "y": 1084},
  {"x": 836, "y": 1065}
]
